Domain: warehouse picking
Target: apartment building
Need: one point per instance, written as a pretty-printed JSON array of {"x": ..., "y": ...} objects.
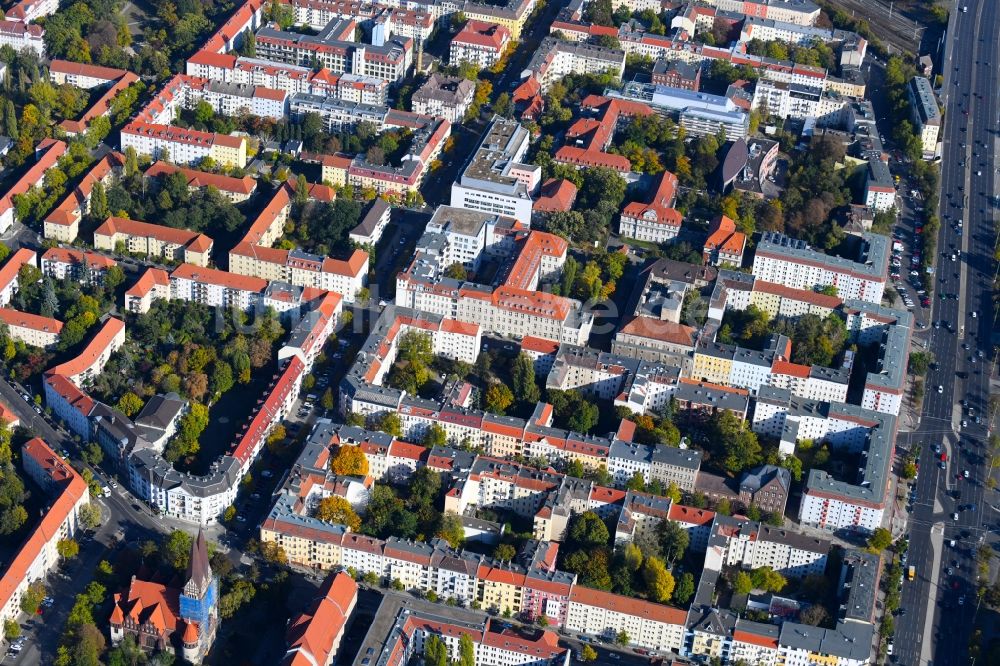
[
  {"x": 752, "y": 545},
  {"x": 349, "y": 87},
  {"x": 10, "y": 273},
  {"x": 793, "y": 263},
  {"x": 648, "y": 625},
  {"x": 153, "y": 240},
  {"x": 479, "y": 43},
  {"x": 556, "y": 58},
  {"x": 20, "y": 35},
  {"x": 926, "y": 114},
  {"x": 78, "y": 265},
  {"x": 90, "y": 362},
  {"x": 511, "y": 16},
  {"x": 32, "y": 330},
  {"x": 63, "y": 223},
  {"x": 235, "y": 189},
  {"x": 184, "y": 146},
  {"x": 830, "y": 503},
  {"x": 38, "y": 555},
  {"x": 448, "y": 97},
  {"x": 314, "y": 635},
  {"x": 495, "y": 180},
  {"x": 880, "y": 189},
  {"x": 333, "y": 49},
  {"x": 343, "y": 276},
  {"x": 47, "y": 154}
]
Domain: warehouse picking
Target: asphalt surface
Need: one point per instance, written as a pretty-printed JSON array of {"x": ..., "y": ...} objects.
[{"x": 940, "y": 606}]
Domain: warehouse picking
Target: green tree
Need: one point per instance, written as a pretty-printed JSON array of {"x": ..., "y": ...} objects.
[
  {"x": 587, "y": 530},
  {"x": 504, "y": 552},
  {"x": 451, "y": 529},
  {"x": 177, "y": 549},
  {"x": 880, "y": 539},
  {"x": 920, "y": 362},
  {"x": 390, "y": 424},
  {"x": 735, "y": 443},
  {"x": 767, "y": 579},
  {"x": 326, "y": 401},
  {"x": 523, "y": 375},
  {"x": 435, "y": 651},
  {"x": 466, "y": 651},
  {"x": 588, "y": 654},
  {"x": 90, "y": 516},
  {"x": 67, "y": 548},
  {"x": 130, "y": 404},
  {"x": 435, "y": 436},
  {"x": 11, "y": 629},
  {"x": 498, "y": 398},
  {"x": 659, "y": 581},
  {"x": 742, "y": 584},
  {"x": 674, "y": 493},
  {"x": 622, "y": 638},
  {"x": 349, "y": 461},
  {"x": 673, "y": 540},
  {"x": 684, "y": 589},
  {"x": 33, "y": 597}
]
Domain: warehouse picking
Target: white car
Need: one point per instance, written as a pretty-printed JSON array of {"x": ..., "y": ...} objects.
[{"x": 940, "y": 389}]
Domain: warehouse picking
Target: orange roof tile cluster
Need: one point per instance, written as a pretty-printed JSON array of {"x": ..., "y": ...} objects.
[
  {"x": 245, "y": 185},
  {"x": 663, "y": 330},
  {"x": 73, "y": 488},
  {"x": 627, "y": 605},
  {"x": 71, "y": 68},
  {"x": 313, "y": 634},
  {"x": 108, "y": 331},
  {"x": 101, "y": 107},
  {"x": 51, "y": 150},
  {"x": 483, "y": 35},
  {"x": 582, "y": 157},
  {"x": 70, "y": 209},
  {"x": 723, "y": 238},
  {"x": 151, "y": 278},
  {"x": 690, "y": 515},
  {"x": 661, "y": 204},
  {"x": 71, "y": 393},
  {"x": 530, "y": 343},
  {"x": 148, "y": 603},
  {"x": 191, "y": 240},
  {"x": 180, "y": 135},
  {"x": 8, "y": 416},
  {"x": 214, "y": 276},
  {"x": 66, "y": 255},
  {"x": 10, "y": 270},
  {"x": 526, "y": 269},
  {"x": 16, "y": 318},
  {"x": 555, "y": 195}
]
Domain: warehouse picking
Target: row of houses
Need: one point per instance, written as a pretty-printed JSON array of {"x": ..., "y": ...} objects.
[
  {"x": 531, "y": 586},
  {"x": 136, "y": 450}
]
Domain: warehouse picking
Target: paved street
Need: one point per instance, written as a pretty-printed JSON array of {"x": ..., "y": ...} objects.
[{"x": 940, "y": 607}]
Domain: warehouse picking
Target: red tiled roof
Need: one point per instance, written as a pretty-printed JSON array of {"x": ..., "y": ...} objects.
[
  {"x": 628, "y": 605},
  {"x": 245, "y": 185},
  {"x": 74, "y": 487},
  {"x": 592, "y": 158},
  {"x": 656, "y": 329},
  {"x": 313, "y": 634},
  {"x": 20, "y": 319},
  {"x": 114, "y": 225},
  {"x": 10, "y": 269},
  {"x": 65, "y": 255},
  {"x": 555, "y": 195},
  {"x": 481, "y": 33},
  {"x": 221, "y": 278},
  {"x": 108, "y": 331}
]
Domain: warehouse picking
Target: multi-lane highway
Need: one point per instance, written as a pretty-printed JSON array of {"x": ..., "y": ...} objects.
[{"x": 940, "y": 605}]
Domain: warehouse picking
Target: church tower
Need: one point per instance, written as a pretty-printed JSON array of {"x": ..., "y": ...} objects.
[{"x": 199, "y": 602}]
